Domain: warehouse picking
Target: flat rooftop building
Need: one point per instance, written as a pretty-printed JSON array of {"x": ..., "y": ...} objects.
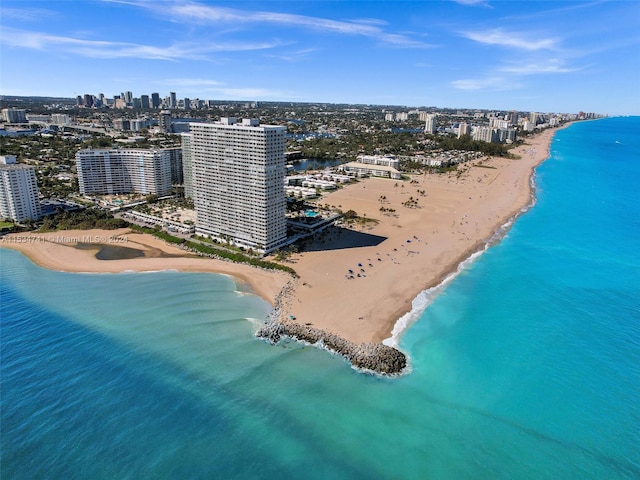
[
  {"x": 114, "y": 171},
  {"x": 238, "y": 172},
  {"x": 19, "y": 197}
]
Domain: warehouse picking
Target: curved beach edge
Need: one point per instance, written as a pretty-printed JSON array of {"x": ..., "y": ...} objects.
[
  {"x": 374, "y": 357},
  {"x": 427, "y": 296}
]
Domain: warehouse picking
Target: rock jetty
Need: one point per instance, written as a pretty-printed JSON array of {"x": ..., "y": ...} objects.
[{"x": 376, "y": 357}]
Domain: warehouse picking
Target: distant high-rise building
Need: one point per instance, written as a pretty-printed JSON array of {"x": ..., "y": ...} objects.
[
  {"x": 19, "y": 196},
  {"x": 485, "y": 134},
  {"x": 88, "y": 100},
  {"x": 155, "y": 100},
  {"x": 137, "y": 124},
  {"x": 128, "y": 97},
  {"x": 187, "y": 103},
  {"x": 14, "y": 115},
  {"x": 60, "y": 119},
  {"x": 115, "y": 171},
  {"x": 165, "y": 121},
  {"x": 464, "y": 129},
  {"x": 238, "y": 174},
  {"x": 121, "y": 124},
  {"x": 430, "y": 123},
  {"x": 506, "y": 135},
  {"x": 177, "y": 168},
  {"x": 144, "y": 101},
  {"x": 173, "y": 103},
  {"x": 496, "y": 122}
]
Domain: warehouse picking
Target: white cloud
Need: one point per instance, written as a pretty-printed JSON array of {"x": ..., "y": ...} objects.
[
  {"x": 190, "y": 82},
  {"x": 499, "y": 37},
  {"x": 485, "y": 83},
  {"x": 552, "y": 66},
  {"x": 208, "y": 14},
  {"x": 370, "y": 21},
  {"x": 473, "y": 3},
  {"x": 293, "y": 56},
  {"x": 28, "y": 14},
  {"x": 109, "y": 50}
]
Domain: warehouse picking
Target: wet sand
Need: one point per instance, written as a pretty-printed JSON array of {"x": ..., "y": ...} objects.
[{"x": 75, "y": 251}]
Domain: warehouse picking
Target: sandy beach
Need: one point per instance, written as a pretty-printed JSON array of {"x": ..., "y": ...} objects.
[
  {"x": 410, "y": 250},
  {"x": 58, "y": 251},
  {"x": 391, "y": 260}
]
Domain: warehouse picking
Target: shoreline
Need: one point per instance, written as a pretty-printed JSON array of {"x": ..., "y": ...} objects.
[
  {"x": 500, "y": 232},
  {"x": 427, "y": 296},
  {"x": 337, "y": 307},
  {"x": 74, "y": 251},
  {"x": 404, "y": 260}
]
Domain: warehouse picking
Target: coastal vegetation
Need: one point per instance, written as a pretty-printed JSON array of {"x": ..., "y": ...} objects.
[
  {"x": 350, "y": 217},
  {"x": 86, "y": 219},
  {"x": 201, "y": 248},
  {"x": 451, "y": 142}
]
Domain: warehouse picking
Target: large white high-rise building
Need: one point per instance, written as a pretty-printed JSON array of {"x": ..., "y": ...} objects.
[
  {"x": 430, "y": 123},
  {"x": 464, "y": 129},
  {"x": 14, "y": 115},
  {"x": 114, "y": 171},
  {"x": 18, "y": 191},
  {"x": 485, "y": 134},
  {"x": 238, "y": 182},
  {"x": 495, "y": 122},
  {"x": 60, "y": 119}
]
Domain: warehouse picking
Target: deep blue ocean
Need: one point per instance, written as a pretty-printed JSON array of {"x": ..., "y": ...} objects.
[{"x": 526, "y": 366}]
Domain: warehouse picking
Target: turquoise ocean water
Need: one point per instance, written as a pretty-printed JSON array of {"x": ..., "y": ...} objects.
[{"x": 526, "y": 366}]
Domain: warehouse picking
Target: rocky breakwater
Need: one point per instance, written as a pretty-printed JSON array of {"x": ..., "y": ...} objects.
[{"x": 376, "y": 357}]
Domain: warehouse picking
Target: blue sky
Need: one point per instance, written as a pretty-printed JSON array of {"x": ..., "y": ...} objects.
[{"x": 551, "y": 56}]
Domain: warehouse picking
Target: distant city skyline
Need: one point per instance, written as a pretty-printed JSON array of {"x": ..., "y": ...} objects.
[{"x": 526, "y": 56}]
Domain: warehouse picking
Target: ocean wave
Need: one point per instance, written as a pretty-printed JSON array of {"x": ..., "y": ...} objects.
[{"x": 427, "y": 297}]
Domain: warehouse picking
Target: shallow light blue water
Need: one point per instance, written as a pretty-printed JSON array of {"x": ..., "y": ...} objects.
[{"x": 527, "y": 366}]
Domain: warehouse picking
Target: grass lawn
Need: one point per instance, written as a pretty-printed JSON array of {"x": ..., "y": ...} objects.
[{"x": 5, "y": 225}]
